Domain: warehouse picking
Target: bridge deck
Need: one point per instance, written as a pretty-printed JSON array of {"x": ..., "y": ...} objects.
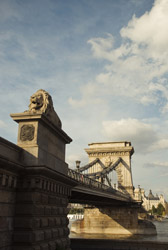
[{"x": 90, "y": 191}]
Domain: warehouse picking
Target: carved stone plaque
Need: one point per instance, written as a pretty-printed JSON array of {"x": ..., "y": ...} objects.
[{"x": 27, "y": 133}]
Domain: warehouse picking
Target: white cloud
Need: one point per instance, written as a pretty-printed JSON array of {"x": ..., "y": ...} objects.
[
  {"x": 137, "y": 68},
  {"x": 149, "y": 30},
  {"x": 101, "y": 46},
  {"x": 157, "y": 164},
  {"x": 160, "y": 144},
  {"x": 143, "y": 136},
  {"x": 90, "y": 95}
]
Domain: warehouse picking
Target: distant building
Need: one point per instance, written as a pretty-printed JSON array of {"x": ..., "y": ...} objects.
[{"x": 149, "y": 200}]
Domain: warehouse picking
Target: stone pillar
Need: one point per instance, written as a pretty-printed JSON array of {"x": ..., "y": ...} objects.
[
  {"x": 41, "y": 211},
  {"x": 118, "y": 220},
  {"x": 41, "y": 136},
  {"x": 34, "y": 209},
  {"x": 121, "y": 219},
  {"x": 109, "y": 152}
]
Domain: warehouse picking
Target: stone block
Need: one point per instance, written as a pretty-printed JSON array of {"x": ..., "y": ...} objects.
[
  {"x": 65, "y": 242},
  {"x": 52, "y": 245},
  {"x": 44, "y": 246},
  {"x": 60, "y": 210},
  {"x": 38, "y": 235},
  {"x": 47, "y": 210},
  {"x": 36, "y": 247},
  {"x": 5, "y": 238},
  {"x": 58, "y": 221},
  {"x": 7, "y": 248},
  {"x": 47, "y": 234},
  {"x": 63, "y": 221},
  {"x": 58, "y": 243},
  {"x": 6, "y": 223},
  {"x": 60, "y": 232},
  {"x": 7, "y": 209},
  {"x": 23, "y": 237},
  {"x": 52, "y": 200},
  {"x": 55, "y": 232},
  {"x": 64, "y": 201},
  {"x": 29, "y": 209},
  {"x": 7, "y": 196},
  {"x": 44, "y": 199},
  {"x": 54, "y": 210},
  {"x": 32, "y": 197},
  {"x": 28, "y": 236},
  {"x": 23, "y": 248},
  {"x": 30, "y": 223},
  {"x": 51, "y": 222},
  {"x": 44, "y": 222}
]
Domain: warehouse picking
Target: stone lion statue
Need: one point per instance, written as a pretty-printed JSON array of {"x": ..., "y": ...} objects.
[{"x": 41, "y": 102}]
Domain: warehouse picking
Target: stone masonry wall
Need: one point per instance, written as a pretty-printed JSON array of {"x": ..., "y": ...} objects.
[
  {"x": 33, "y": 204},
  {"x": 7, "y": 208},
  {"x": 41, "y": 214}
]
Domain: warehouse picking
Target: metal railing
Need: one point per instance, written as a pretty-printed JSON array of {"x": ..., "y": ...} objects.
[
  {"x": 92, "y": 183},
  {"x": 85, "y": 180}
]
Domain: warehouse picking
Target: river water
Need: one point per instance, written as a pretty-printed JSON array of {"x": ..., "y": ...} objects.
[{"x": 162, "y": 234}]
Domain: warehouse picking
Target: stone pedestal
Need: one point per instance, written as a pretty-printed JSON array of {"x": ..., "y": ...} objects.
[{"x": 43, "y": 142}]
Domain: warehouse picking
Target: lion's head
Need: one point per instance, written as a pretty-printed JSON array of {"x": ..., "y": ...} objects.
[{"x": 41, "y": 101}]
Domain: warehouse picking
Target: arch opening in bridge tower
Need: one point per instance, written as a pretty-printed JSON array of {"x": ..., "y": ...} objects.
[{"x": 113, "y": 178}]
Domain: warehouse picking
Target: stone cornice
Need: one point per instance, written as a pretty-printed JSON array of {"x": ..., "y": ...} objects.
[{"x": 110, "y": 151}]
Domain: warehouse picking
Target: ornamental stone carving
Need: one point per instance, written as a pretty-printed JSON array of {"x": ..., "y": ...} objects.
[
  {"x": 108, "y": 154},
  {"x": 41, "y": 102},
  {"x": 27, "y": 133}
]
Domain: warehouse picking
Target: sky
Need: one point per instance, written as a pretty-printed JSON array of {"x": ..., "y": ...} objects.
[{"x": 104, "y": 62}]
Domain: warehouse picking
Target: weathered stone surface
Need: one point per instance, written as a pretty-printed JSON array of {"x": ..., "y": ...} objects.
[
  {"x": 112, "y": 220},
  {"x": 27, "y": 133}
]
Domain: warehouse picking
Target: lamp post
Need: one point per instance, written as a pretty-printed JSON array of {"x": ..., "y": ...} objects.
[{"x": 78, "y": 165}]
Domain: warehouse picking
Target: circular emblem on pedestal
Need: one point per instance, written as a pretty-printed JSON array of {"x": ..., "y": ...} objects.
[{"x": 27, "y": 133}]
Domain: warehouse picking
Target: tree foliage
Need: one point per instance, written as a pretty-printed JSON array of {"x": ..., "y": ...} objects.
[
  {"x": 76, "y": 211},
  {"x": 160, "y": 209},
  {"x": 154, "y": 210}
]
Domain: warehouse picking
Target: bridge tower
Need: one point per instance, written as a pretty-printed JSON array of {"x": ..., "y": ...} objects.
[
  {"x": 121, "y": 219},
  {"x": 109, "y": 153}
]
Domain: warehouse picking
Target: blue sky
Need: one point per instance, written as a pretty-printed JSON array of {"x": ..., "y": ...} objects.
[{"x": 105, "y": 64}]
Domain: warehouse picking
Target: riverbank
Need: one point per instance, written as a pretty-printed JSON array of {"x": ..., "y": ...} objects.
[
  {"x": 108, "y": 244},
  {"x": 135, "y": 242}
]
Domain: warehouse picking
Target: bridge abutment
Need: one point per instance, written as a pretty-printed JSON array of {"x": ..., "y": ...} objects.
[{"x": 113, "y": 221}]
